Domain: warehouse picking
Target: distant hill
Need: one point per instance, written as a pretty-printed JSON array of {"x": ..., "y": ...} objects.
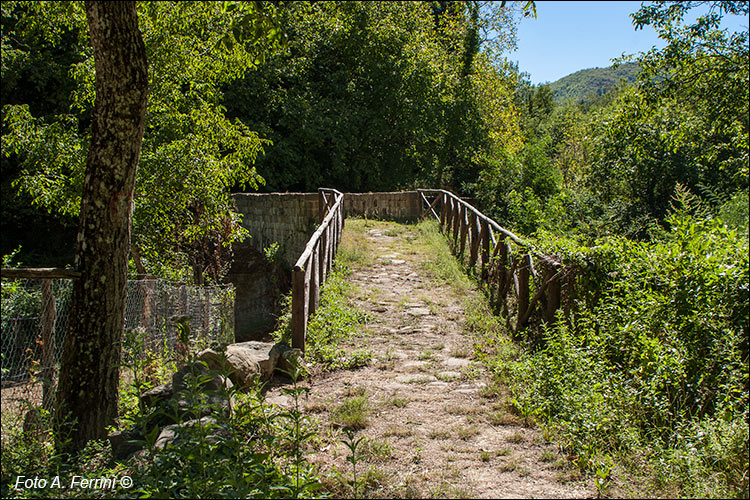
[{"x": 588, "y": 84}]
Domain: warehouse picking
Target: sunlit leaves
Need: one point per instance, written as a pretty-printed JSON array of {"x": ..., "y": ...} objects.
[
  {"x": 55, "y": 157},
  {"x": 191, "y": 153}
]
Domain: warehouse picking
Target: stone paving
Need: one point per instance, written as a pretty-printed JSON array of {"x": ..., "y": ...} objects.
[{"x": 434, "y": 430}]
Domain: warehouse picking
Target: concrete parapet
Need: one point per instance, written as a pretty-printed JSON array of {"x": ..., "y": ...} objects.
[{"x": 390, "y": 205}]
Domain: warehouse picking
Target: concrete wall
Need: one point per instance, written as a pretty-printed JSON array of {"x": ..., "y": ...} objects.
[
  {"x": 289, "y": 219},
  {"x": 286, "y": 218},
  {"x": 393, "y": 205}
]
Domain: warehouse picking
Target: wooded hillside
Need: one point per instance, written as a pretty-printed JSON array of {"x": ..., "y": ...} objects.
[{"x": 589, "y": 84}]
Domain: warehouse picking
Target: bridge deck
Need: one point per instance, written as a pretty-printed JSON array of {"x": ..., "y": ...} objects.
[{"x": 436, "y": 430}]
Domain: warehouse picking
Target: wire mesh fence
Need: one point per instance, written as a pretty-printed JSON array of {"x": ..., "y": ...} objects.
[{"x": 165, "y": 315}]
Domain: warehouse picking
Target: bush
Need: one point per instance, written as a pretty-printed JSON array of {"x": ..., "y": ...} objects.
[{"x": 655, "y": 354}]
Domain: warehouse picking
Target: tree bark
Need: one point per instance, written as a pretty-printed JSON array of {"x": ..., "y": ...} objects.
[{"x": 87, "y": 392}]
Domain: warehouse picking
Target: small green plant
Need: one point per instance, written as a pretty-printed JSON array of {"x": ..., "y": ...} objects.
[
  {"x": 354, "y": 456},
  {"x": 396, "y": 401},
  {"x": 427, "y": 354},
  {"x": 272, "y": 252},
  {"x": 301, "y": 432},
  {"x": 602, "y": 478},
  {"x": 548, "y": 456},
  {"x": 516, "y": 437},
  {"x": 439, "y": 434},
  {"x": 465, "y": 431}
]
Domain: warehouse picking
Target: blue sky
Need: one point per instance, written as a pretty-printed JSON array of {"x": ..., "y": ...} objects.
[{"x": 570, "y": 36}]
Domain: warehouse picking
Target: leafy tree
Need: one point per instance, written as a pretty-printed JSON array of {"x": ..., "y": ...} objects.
[
  {"x": 89, "y": 375},
  {"x": 192, "y": 153},
  {"x": 695, "y": 93}
]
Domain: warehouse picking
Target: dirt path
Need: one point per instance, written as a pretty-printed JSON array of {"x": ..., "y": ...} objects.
[{"x": 430, "y": 429}]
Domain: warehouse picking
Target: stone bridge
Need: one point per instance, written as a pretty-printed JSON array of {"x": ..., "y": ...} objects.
[
  {"x": 294, "y": 237},
  {"x": 288, "y": 220}
]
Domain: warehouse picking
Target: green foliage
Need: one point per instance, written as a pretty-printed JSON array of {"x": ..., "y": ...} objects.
[
  {"x": 374, "y": 95},
  {"x": 659, "y": 360},
  {"x": 255, "y": 451},
  {"x": 334, "y": 322},
  {"x": 687, "y": 121},
  {"x": 191, "y": 154}
]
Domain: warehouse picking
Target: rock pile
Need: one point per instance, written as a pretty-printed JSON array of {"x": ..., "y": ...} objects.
[{"x": 212, "y": 377}]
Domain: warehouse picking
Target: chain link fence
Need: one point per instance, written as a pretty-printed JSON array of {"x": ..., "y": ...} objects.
[{"x": 165, "y": 316}]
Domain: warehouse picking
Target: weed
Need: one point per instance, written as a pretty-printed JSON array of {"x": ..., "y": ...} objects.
[
  {"x": 396, "y": 401},
  {"x": 509, "y": 466},
  {"x": 448, "y": 490},
  {"x": 354, "y": 456},
  {"x": 457, "y": 409},
  {"x": 426, "y": 355},
  {"x": 377, "y": 450},
  {"x": 602, "y": 477},
  {"x": 353, "y": 412},
  {"x": 448, "y": 376},
  {"x": 398, "y": 430},
  {"x": 548, "y": 456},
  {"x": 502, "y": 417},
  {"x": 417, "y": 457},
  {"x": 516, "y": 437},
  {"x": 465, "y": 431},
  {"x": 461, "y": 351},
  {"x": 439, "y": 434}
]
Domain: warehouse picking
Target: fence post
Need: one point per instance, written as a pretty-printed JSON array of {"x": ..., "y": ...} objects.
[
  {"x": 48, "y": 343},
  {"x": 456, "y": 222},
  {"x": 443, "y": 211},
  {"x": 502, "y": 274},
  {"x": 448, "y": 216},
  {"x": 523, "y": 291},
  {"x": 314, "y": 280},
  {"x": 329, "y": 249},
  {"x": 300, "y": 304},
  {"x": 463, "y": 224},
  {"x": 474, "y": 234},
  {"x": 484, "y": 236},
  {"x": 338, "y": 227},
  {"x": 323, "y": 258}
]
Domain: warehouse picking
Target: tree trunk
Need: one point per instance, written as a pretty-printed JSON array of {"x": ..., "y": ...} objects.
[{"x": 89, "y": 375}]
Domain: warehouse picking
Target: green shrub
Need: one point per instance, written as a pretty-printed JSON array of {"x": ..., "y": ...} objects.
[{"x": 656, "y": 358}]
